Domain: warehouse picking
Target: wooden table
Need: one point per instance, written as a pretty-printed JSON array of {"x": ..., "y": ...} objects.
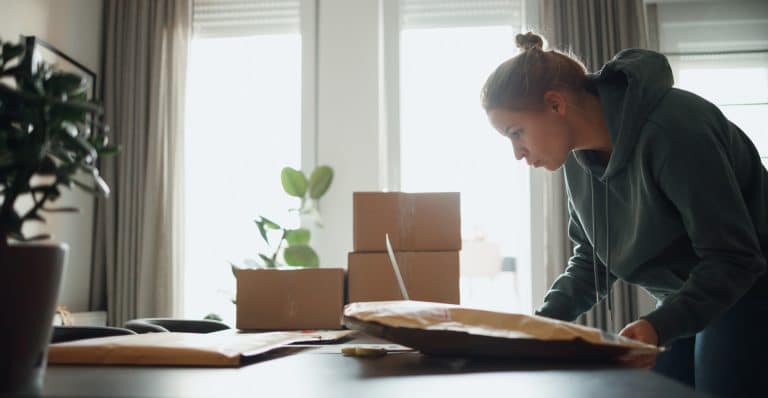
[{"x": 322, "y": 371}]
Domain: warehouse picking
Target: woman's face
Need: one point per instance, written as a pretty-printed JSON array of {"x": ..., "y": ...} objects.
[{"x": 542, "y": 138}]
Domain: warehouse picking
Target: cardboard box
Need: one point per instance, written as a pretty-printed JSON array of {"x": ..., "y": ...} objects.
[
  {"x": 272, "y": 299},
  {"x": 428, "y": 276},
  {"x": 414, "y": 221}
]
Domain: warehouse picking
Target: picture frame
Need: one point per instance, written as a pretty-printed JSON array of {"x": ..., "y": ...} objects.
[{"x": 43, "y": 51}]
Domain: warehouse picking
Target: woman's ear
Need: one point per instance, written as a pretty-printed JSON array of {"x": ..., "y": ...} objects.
[{"x": 555, "y": 102}]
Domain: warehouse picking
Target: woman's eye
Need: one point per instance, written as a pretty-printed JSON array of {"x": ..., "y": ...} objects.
[{"x": 515, "y": 134}]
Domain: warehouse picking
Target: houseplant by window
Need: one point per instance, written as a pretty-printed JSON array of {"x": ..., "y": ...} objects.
[
  {"x": 292, "y": 293},
  {"x": 50, "y": 139},
  {"x": 297, "y": 251}
]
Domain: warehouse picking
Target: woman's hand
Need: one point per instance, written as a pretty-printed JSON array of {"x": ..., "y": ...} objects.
[{"x": 641, "y": 330}]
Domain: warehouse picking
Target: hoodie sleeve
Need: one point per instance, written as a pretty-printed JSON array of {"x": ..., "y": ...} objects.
[
  {"x": 696, "y": 175},
  {"x": 573, "y": 292}
]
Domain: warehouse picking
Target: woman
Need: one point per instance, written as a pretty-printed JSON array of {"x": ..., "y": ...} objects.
[{"x": 663, "y": 192}]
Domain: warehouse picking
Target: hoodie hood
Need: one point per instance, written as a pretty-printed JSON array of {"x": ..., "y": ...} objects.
[{"x": 629, "y": 85}]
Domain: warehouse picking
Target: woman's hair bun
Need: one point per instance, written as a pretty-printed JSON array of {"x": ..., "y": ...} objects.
[{"x": 528, "y": 41}]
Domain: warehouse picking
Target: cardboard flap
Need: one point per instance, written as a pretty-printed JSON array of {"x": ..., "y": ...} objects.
[{"x": 453, "y": 318}]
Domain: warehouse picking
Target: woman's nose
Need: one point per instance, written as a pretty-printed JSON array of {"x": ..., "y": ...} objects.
[{"x": 519, "y": 152}]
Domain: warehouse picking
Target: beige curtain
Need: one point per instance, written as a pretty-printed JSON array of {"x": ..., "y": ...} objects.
[
  {"x": 594, "y": 30},
  {"x": 138, "y": 232}
]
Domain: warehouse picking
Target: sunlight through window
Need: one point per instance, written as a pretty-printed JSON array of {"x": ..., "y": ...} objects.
[
  {"x": 243, "y": 126},
  {"x": 447, "y": 144}
]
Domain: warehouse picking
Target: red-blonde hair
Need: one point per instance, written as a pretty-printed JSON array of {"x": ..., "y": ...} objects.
[{"x": 521, "y": 81}]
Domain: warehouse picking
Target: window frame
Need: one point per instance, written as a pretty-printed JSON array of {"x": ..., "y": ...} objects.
[
  {"x": 532, "y": 279},
  {"x": 308, "y": 25},
  {"x": 308, "y": 29}
]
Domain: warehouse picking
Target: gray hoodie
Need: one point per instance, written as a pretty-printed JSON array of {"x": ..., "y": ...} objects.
[{"x": 680, "y": 209}]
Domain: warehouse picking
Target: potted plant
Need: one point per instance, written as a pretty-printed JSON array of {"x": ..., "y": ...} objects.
[
  {"x": 50, "y": 139},
  {"x": 293, "y": 244},
  {"x": 285, "y": 288}
]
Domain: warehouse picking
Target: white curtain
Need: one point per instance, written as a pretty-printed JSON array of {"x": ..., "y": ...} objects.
[{"x": 137, "y": 268}]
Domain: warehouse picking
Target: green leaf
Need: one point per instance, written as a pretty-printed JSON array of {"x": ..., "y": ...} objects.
[
  {"x": 262, "y": 231},
  {"x": 296, "y": 237},
  {"x": 86, "y": 187},
  {"x": 65, "y": 83},
  {"x": 69, "y": 129},
  {"x": 294, "y": 182},
  {"x": 101, "y": 185},
  {"x": 80, "y": 144},
  {"x": 267, "y": 261},
  {"x": 109, "y": 151},
  {"x": 269, "y": 223},
  {"x": 301, "y": 256},
  {"x": 320, "y": 181},
  {"x": 264, "y": 224},
  {"x": 11, "y": 50},
  {"x": 79, "y": 106}
]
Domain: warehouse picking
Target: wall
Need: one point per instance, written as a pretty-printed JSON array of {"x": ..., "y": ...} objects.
[
  {"x": 74, "y": 27},
  {"x": 348, "y": 70}
]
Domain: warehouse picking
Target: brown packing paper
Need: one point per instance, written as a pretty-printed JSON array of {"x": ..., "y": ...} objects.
[
  {"x": 444, "y": 329},
  {"x": 271, "y": 299},
  {"x": 225, "y": 348},
  {"x": 414, "y": 221},
  {"x": 428, "y": 276}
]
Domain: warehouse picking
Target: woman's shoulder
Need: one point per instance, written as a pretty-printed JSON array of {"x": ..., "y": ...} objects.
[
  {"x": 682, "y": 121},
  {"x": 685, "y": 113}
]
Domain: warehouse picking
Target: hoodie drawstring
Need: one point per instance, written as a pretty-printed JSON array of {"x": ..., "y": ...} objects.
[
  {"x": 608, "y": 262},
  {"x": 607, "y": 251},
  {"x": 594, "y": 251}
]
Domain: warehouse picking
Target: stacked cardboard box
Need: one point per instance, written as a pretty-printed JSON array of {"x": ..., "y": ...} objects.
[{"x": 425, "y": 232}]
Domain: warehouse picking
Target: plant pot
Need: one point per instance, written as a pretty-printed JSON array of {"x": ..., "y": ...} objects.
[{"x": 30, "y": 275}]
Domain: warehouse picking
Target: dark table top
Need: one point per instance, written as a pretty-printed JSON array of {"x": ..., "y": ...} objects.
[{"x": 322, "y": 371}]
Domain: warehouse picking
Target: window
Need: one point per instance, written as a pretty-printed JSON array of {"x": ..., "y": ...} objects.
[
  {"x": 738, "y": 84},
  {"x": 721, "y": 53},
  {"x": 244, "y": 124},
  {"x": 446, "y": 51}
]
